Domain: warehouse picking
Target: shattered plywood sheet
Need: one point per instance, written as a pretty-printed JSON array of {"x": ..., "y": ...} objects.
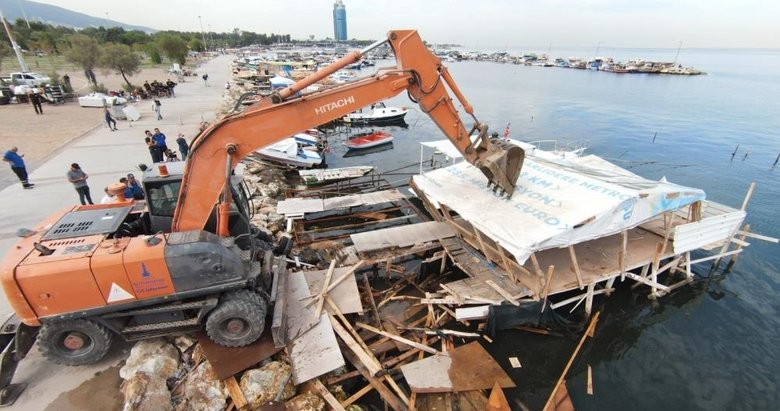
[
  {"x": 299, "y": 206},
  {"x": 468, "y": 367},
  {"x": 402, "y": 236},
  {"x": 345, "y": 295},
  {"x": 313, "y": 347}
]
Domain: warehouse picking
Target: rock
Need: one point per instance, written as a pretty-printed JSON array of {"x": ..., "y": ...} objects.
[
  {"x": 270, "y": 190},
  {"x": 266, "y": 210},
  {"x": 184, "y": 342},
  {"x": 154, "y": 357},
  {"x": 275, "y": 219},
  {"x": 203, "y": 391},
  {"x": 309, "y": 256},
  {"x": 261, "y": 385},
  {"x": 306, "y": 402},
  {"x": 144, "y": 392}
]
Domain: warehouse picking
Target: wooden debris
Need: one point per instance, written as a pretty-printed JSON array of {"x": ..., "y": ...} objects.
[
  {"x": 514, "y": 362},
  {"x": 398, "y": 338},
  {"x": 590, "y": 380},
  {"x": 324, "y": 292},
  {"x": 556, "y": 397},
  {"x": 235, "y": 392},
  {"x": 326, "y": 395},
  {"x": 497, "y": 400},
  {"x": 387, "y": 395},
  {"x": 468, "y": 367}
]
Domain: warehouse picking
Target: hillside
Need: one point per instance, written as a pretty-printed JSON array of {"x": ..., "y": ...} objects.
[{"x": 59, "y": 16}]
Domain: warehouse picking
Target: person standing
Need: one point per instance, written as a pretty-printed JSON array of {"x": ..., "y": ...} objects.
[
  {"x": 109, "y": 119},
  {"x": 157, "y": 107},
  {"x": 35, "y": 99},
  {"x": 206, "y": 79},
  {"x": 78, "y": 177},
  {"x": 184, "y": 148},
  {"x": 159, "y": 139},
  {"x": 154, "y": 151},
  {"x": 17, "y": 166}
]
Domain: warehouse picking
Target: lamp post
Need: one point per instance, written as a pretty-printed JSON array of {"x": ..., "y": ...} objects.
[
  {"x": 15, "y": 46},
  {"x": 202, "y": 36}
]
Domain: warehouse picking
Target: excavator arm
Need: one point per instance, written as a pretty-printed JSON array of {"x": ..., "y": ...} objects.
[{"x": 218, "y": 148}]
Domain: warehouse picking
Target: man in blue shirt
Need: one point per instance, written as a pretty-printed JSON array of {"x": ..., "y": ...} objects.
[
  {"x": 159, "y": 138},
  {"x": 17, "y": 166}
]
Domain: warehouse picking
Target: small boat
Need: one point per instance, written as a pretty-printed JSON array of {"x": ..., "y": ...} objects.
[
  {"x": 376, "y": 114},
  {"x": 291, "y": 152},
  {"x": 331, "y": 175},
  {"x": 370, "y": 139}
]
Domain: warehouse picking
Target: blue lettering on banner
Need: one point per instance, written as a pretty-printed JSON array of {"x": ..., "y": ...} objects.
[{"x": 538, "y": 214}]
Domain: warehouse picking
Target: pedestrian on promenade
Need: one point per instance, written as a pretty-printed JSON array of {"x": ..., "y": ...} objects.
[
  {"x": 206, "y": 79},
  {"x": 159, "y": 139},
  {"x": 157, "y": 107},
  {"x": 35, "y": 99},
  {"x": 109, "y": 119},
  {"x": 184, "y": 148},
  {"x": 154, "y": 150},
  {"x": 17, "y": 165},
  {"x": 78, "y": 177}
]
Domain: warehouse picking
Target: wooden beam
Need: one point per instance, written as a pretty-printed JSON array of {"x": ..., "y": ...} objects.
[
  {"x": 547, "y": 282},
  {"x": 588, "y": 331},
  {"x": 326, "y": 395},
  {"x": 369, "y": 361},
  {"x": 623, "y": 256},
  {"x": 235, "y": 392},
  {"x": 324, "y": 291},
  {"x": 577, "y": 272},
  {"x": 503, "y": 292},
  {"x": 645, "y": 281},
  {"x": 399, "y": 338},
  {"x": 387, "y": 395},
  {"x": 507, "y": 264},
  {"x": 537, "y": 267},
  {"x": 367, "y": 286}
]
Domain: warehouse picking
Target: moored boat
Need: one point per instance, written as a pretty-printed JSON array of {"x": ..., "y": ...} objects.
[
  {"x": 370, "y": 139},
  {"x": 376, "y": 114}
]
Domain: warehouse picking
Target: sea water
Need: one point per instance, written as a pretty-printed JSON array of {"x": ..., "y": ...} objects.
[{"x": 713, "y": 345}]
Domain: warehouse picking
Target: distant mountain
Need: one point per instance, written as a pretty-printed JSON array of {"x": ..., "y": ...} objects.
[{"x": 55, "y": 15}]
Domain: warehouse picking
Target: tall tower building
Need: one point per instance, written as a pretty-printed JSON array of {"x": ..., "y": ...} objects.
[{"x": 339, "y": 21}]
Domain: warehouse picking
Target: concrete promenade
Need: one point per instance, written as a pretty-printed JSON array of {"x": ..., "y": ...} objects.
[{"x": 105, "y": 156}]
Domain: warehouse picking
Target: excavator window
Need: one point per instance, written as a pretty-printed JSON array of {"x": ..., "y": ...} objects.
[{"x": 163, "y": 196}]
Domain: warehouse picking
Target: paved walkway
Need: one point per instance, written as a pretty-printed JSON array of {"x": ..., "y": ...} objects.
[{"x": 105, "y": 156}]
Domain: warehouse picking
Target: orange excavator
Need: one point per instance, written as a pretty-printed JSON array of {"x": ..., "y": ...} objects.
[{"x": 187, "y": 257}]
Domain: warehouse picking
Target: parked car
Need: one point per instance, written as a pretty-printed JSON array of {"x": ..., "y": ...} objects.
[{"x": 26, "y": 79}]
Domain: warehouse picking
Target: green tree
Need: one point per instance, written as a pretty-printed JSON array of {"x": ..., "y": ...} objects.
[
  {"x": 173, "y": 47},
  {"x": 119, "y": 57},
  {"x": 196, "y": 45},
  {"x": 85, "y": 52},
  {"x": 5, "y": 51},
  {"x": 154, "y": 53}
]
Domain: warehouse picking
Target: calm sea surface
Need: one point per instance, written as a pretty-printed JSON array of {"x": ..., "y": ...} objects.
[{"x": 714, "y": 345}]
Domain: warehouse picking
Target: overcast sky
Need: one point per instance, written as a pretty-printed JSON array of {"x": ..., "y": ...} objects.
[{"x": 487, "y": 23}]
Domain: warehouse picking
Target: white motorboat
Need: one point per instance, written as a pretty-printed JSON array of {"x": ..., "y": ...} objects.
[
  {"x": 376, "y": 114},
  {"x": 291, "y": 152}
]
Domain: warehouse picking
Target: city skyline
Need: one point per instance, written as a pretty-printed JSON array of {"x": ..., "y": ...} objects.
[{"x": 498, "y": 23}]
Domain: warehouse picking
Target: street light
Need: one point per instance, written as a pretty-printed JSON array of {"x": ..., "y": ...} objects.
[{"x": 202, "y": 36}]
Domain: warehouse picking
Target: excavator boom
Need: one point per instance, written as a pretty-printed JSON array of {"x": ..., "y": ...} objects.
[{"x": 286, "y": 112}]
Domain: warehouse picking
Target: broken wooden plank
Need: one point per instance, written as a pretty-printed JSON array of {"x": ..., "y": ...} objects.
[
  {"x": 358, "y": 395},
  {"x": 369, "y": 361},
  {"x": 398, "y": 338},
  {"x": 326, "y": 395},
  {"x": 503, "y": 292},
  {"x": 472, "y": 313},
  {"x": 590, "y": 380},
  {"x": 387, "y": 395},
  {"x": 401, "y": 236},
  {"x": 235, "y": 392},
  {"x": 468, "y": 367},
  {"x": 324, "y": 291},
  {"x": 514, "y": 362},
  {"x": 345, "y": 295},
  {"x": 497, "y": 400},
  {"x": 316, "y": 352},
  {"x": 577, "y": 271}
]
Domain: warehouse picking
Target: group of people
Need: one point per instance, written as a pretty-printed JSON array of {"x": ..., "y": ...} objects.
[
  {"x": 158, "y": 148},
  {"x": 78, "y": 178}
]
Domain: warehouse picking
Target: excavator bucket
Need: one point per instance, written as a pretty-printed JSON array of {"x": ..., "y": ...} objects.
[{"x": 501, "y": 164}]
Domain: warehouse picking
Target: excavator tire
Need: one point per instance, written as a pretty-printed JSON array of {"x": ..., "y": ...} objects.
[
  {"x": 74, "y": 342},
  {"x": 238, "y": 320}
]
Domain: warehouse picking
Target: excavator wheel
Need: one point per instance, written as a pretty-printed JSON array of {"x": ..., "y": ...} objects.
[
  {"x": 238, "y": 320},
  {"x": 75, "y": 342}
]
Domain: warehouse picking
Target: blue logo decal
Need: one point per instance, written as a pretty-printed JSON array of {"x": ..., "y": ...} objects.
[{"x": 144, "y": 272}]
